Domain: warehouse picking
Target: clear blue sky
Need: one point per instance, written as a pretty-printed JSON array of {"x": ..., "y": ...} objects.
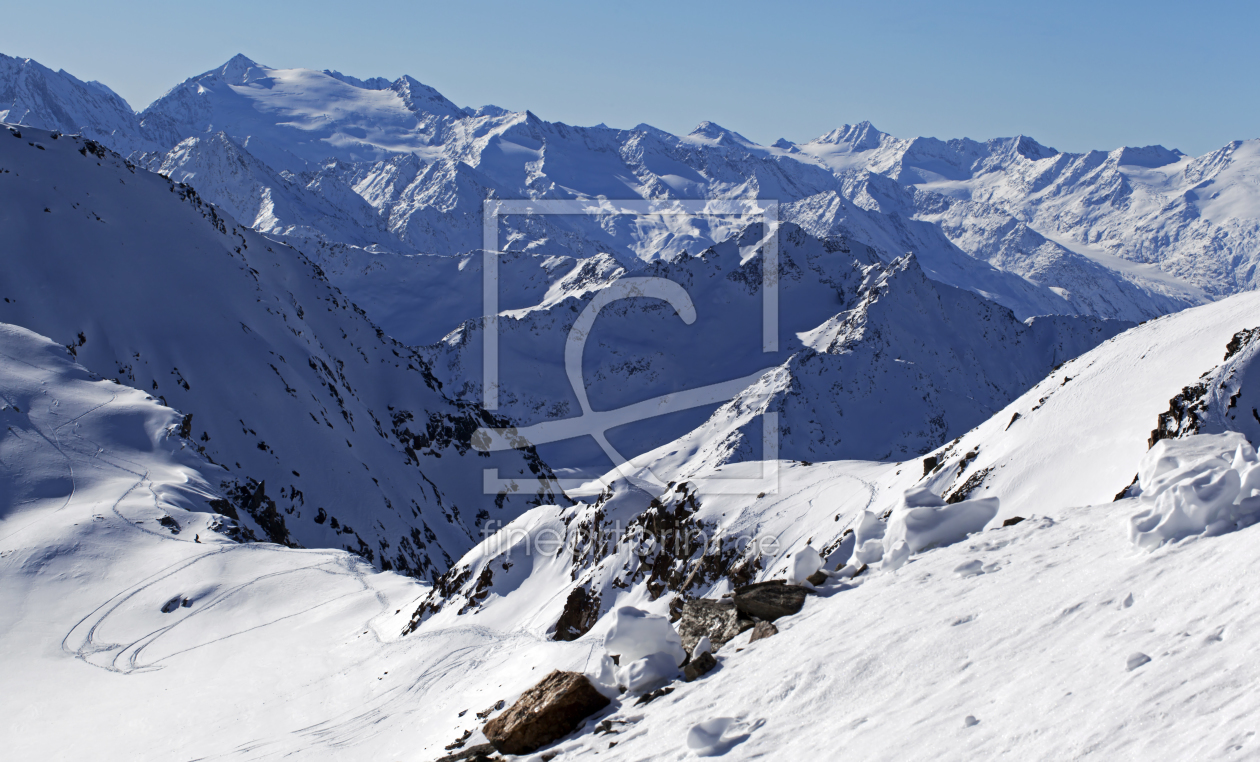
[{"x": 1074, "y": 75}]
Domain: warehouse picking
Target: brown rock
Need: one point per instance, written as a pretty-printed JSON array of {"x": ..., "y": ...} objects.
[
  {"x": 763, "y": 630},
  {"x": 770, "y": 600},
  {"x": 701, "y": 665},
  {"x": 818, "y": 578},
  {"x": 646, "y": 698},
  {"x": 549, "y": 711},
  {"x": 482, "y": 752},
  {"x": 719, "y": 620}
]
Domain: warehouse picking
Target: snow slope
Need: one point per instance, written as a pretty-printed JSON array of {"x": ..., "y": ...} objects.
[
  {"x": 135, "y": 628},
  {"x": 329, "y": 433}
]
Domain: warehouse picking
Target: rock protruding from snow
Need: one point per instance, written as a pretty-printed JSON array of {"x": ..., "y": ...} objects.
[
  {"x": 482, "y": 752},
  {"x": 699, "y": 666},
  {"x": 716, "y": 622},
  {"x": 549, "y": 711},
  {"x": 581, "y": 609},
  {"x": 770, "y": 600},
  {"x": 1202, "y": 485},
  {"x": 762, "y": 630}
]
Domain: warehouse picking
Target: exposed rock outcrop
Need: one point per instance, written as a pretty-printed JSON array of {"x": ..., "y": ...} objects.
[
  {"x": 720, "y": 621},
  {"x": 581, "y": 610},
  {"x": 545, "y": 713},
  {"x": 770, "y": 600}
]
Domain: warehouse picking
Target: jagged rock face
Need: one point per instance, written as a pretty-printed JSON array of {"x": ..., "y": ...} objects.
[
  {"x": 327, "y": 432},
  {"x": 545, "y": 713},
  {"x": 621, "y": 540},
  {"x": 1226, "y": 399},
  {"x": 581, "y": 611},
  {"x": 720, "y": 621}
]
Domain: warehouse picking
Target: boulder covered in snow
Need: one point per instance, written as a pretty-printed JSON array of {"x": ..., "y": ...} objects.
[
  {"x": 924, "y": 520},
  {"x": 549, "y": 711},
  {"x": 636, "y": 634},
  {"x": 1200, "y": 485},
  {"x": 805, "y": 564},
  {"x": 648, "y": 648}
]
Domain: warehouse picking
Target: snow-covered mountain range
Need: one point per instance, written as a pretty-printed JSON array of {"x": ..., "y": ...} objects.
[
  {"x": 875, "y": 359},
  {"x": 1050, "y": 224},
  {"x": 252, "y": 504}
]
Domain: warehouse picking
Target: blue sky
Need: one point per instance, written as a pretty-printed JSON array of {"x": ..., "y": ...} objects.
[{"x": 1074, "y": 75}]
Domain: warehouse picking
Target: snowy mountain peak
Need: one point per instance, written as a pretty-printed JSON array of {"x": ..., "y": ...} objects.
[
  {"x": 1147, "y": 157},
  {"x": 489, "y": 110},
  {"x": 420, "y": 98},
  {"x": 239, "y": 70},
  {"x": 1031, "y": 149},
  {"x": 718, "y": 135},
  {"x": 32, "y": 94},
  {"x": 862, "y": 136}
]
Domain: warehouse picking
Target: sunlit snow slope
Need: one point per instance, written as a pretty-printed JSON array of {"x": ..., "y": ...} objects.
[{"x": 133, "y": 628}]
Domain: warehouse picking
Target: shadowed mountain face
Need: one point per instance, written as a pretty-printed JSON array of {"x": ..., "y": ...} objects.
[{"x": 326, "y": 432}]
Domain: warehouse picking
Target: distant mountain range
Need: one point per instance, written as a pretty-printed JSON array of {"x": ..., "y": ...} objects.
[{"x": 374, "y": 168}]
